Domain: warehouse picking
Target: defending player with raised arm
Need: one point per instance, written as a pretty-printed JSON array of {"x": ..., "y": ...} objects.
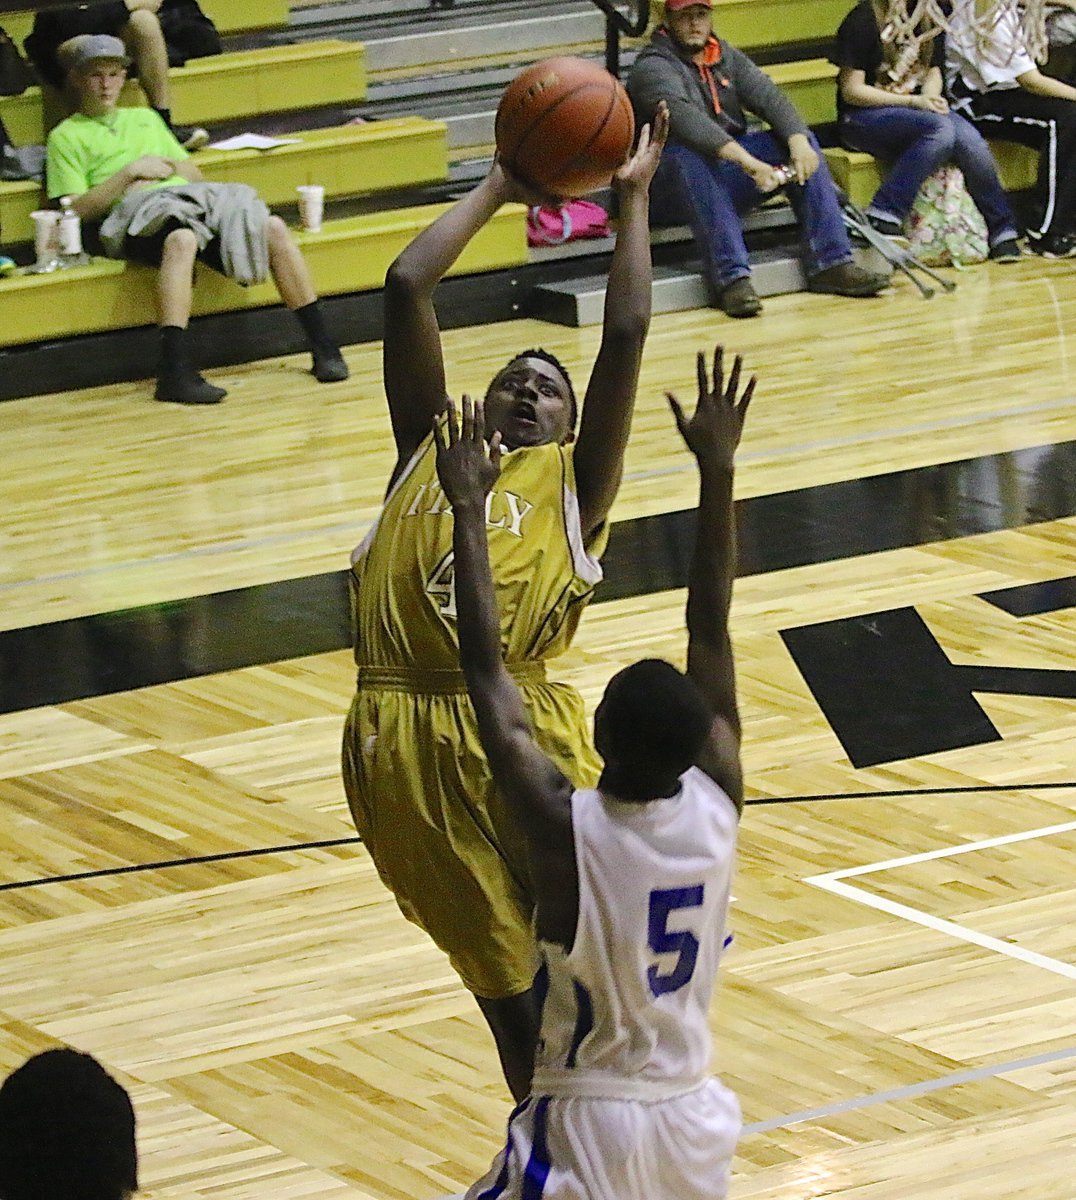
[
  {"x": 417, "y": 781},
  {"x": 631, "y": 878}
]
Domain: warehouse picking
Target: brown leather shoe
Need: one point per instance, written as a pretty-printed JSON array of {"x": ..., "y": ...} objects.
[
  {"x": 740, "y": 299},
  {"x": 847, "y": 279}
]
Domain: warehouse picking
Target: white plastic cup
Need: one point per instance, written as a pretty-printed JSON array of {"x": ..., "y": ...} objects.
[
  {"x": 46, "y": 235},
  {"x": 311, "y": 205}
]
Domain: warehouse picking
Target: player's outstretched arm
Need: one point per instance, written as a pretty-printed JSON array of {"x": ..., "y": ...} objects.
[
  {"x": 712, "y": 434},
  {"x": 414, "y": 368},
  {"x": 536, "y": 791},
  {"x": 610, "y": 398}
]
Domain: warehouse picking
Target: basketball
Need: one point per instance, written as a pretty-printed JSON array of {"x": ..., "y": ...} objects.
[{"x": 564, "y": 126}]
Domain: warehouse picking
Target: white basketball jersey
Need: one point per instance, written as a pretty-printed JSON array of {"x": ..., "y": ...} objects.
[{"x": 625, "y": 1012}]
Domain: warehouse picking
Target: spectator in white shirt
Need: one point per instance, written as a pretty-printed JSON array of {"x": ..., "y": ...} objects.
[{"x": 995, "y": 82}]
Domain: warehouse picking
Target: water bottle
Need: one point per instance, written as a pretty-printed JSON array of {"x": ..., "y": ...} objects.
[{"x": 70, "y": 234}]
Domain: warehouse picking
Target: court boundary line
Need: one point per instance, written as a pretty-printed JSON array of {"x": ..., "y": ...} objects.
[
  {"x": 193, "y": 861},
  {"x": 908, "y": 1091},
  {"x": 930, "y": 791},
  {"x": 354, "y": 840},
  {"x": 834, "y": 882}
]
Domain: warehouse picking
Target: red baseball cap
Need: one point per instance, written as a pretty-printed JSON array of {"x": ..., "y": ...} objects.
[{"x": 677, "y": 5}]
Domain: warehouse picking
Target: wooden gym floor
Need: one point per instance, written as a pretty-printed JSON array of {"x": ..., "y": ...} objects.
[{"x": 181, "y": 892}]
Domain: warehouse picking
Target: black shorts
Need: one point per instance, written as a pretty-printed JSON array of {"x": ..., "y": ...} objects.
[{"x": 149, "y": 248}]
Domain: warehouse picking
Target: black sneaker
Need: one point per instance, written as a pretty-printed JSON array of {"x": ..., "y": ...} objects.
[
  {"x": 1006, "y": 251},
  {"x": 1056, "y": 245},
  {"x": 191, "y": 137}
]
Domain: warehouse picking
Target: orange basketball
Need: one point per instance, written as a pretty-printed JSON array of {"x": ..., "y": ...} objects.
[{"x": 564, "y": 126}]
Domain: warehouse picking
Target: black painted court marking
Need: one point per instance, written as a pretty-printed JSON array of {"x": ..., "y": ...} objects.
[{"x": 115, "y": 652}]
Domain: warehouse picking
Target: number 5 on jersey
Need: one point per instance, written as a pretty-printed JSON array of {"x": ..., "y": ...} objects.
[{"x": 681, "y": 942}]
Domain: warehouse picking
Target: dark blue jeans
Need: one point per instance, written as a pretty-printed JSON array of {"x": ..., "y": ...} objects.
[
  {"x": 714, "y": 194},
  {"x": 916, "y": 144}
]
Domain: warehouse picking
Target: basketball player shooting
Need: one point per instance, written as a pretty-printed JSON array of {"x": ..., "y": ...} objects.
[
  {"x": 631, "y": 879},
  {"x": 417, "y": 782}
]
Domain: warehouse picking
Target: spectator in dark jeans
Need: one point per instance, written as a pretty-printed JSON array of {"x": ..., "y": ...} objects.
[
  {"x": 67, "y": 1129},
  {"x": 138, "y": 24},
  {"x": 994, "y": 82},
  {"x": 890, "y": 104},
  {"x": 720, "y": 171}
]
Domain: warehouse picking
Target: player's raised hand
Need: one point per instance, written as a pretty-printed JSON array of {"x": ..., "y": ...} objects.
[
  {"x": 466, "y": 469},
  {"x": 713, "y": 432},
  {"x": 638, "y": 171},
  {"x": 518, "y": 191}
]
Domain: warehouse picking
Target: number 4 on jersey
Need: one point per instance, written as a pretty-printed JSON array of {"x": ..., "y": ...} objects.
[{"x": 442, "y": 585}]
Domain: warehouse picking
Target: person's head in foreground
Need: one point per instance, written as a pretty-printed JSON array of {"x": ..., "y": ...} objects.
[
  {"x": 531, "y": 402},
  {"x": 649, "y": 728},
  {"x": 67, "y": 1131}
]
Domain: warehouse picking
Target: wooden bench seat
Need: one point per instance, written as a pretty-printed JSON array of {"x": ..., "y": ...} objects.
[
  {"x": 348, "y": 160},
  {"x": 351, "y": 255},
  {"x": 860, "y": 174},
  {"x": 811, "y": 85},
  {"x": 225, "y": 87},
  {"x": 229, "y": 16},
  {"x": 754, "y": 25}
]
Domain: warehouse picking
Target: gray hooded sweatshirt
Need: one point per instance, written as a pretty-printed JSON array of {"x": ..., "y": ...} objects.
[{"x": 664, "y": 72}]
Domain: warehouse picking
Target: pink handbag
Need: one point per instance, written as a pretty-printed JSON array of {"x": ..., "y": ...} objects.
[{"x": 574, "y": 220}]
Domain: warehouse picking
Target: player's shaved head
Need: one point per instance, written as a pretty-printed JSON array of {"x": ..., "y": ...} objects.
[{"x": 649, "y": 728}]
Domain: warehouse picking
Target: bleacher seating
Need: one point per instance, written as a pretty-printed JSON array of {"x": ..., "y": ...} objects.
[
  {"x": 229, "y": 16},
  {"x": 348, "y": 160},
  {"x": 402, "y": 153},
  {"x": 860, "y": 174},
  {"x": 349, "y": 255},
  {"x": 225, "y": 87},
  {"x": 767, "y": 24}
]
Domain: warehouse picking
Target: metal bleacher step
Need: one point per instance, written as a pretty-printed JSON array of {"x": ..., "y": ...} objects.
[
  {"x": 433, "y": 39},
  {"x": 775, "y": 271},
  {"x": 579, "y": 302}
]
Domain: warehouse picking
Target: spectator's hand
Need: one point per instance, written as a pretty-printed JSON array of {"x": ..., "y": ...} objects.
[
  {"x": 802, "y": 157},
  {"x": 764, "y": 177},
  {"x": 150, "y": 166},
  {"x": 934, "y": 104},
  {"x": 466, "y": 470},
  {"x": 713, "y": 433},
  {"x": 143, "y": 5},
  {"x": 635, "y": 175}
]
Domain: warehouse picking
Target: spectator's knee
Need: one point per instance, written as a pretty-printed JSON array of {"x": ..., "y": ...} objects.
[
  {"x": 142, "y": 24},
  {"x": 940, "y": 130},
  {"x": 277, "y": 233},
  {"x": 180, "y": 244}
]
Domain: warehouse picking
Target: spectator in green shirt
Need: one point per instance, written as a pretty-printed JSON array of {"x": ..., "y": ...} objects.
[{"x": 113, "y": 161}]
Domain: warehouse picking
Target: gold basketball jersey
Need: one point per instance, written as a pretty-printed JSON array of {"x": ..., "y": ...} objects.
[{"x": 403, "y": 595}]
